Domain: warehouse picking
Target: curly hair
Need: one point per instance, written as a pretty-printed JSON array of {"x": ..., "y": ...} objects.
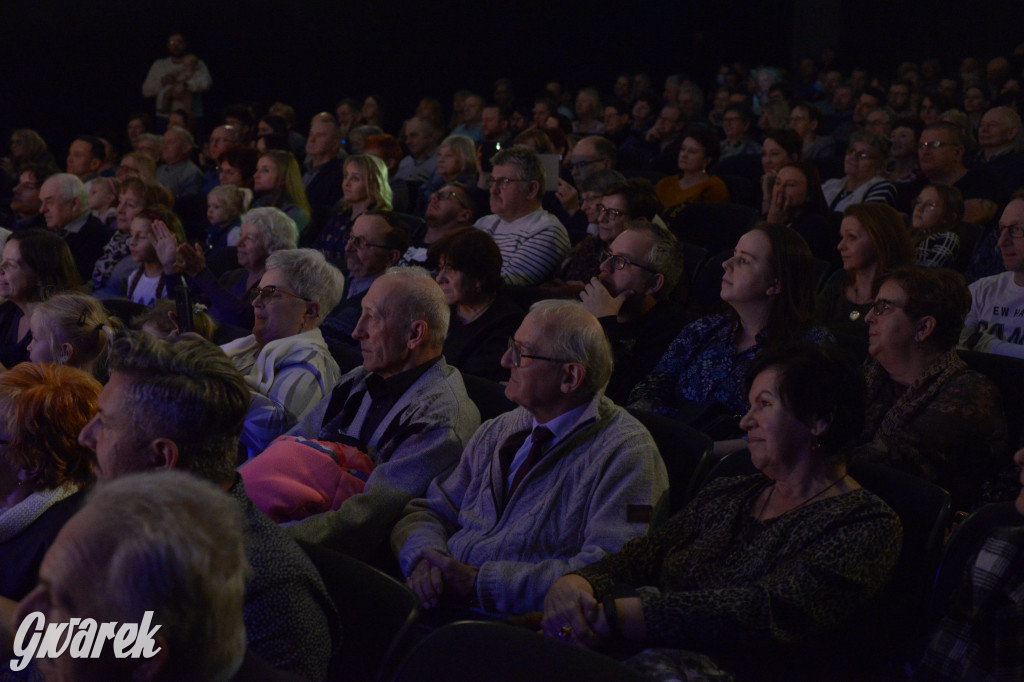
[{"x": 44, "y": 407}]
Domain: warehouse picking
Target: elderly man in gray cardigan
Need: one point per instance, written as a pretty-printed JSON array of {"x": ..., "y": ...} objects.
[
  {"x": 551, "y": 486},
  {"x": 405, "y": 407}
]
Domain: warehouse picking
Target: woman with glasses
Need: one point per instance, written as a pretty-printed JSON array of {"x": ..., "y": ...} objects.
[
  {"x": 698, "y": 152},
  {"x": 483, "y": 316},
  {"x": 456, "y": 162},
  {"x": 865, "y": 161},
  {"x": 364, "y": 186},
  {"x": 264, "y": 231},
  {"x": 286, "y": 359},
  {"x": 927, "y": 413},
  {"x": 769, "y": 291},
  {"x": 633, "y": 199},
  {"x": 872, "y": 241}
]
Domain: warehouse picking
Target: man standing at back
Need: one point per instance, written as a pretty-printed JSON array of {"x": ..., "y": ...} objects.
[{"x": 532, "y": 241}]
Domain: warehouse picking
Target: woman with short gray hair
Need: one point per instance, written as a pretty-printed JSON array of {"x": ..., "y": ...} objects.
[
  {"x": 286, "y": 358},
  {"x": 866, "y": 158},
  {"x": 264, "y": 232}
]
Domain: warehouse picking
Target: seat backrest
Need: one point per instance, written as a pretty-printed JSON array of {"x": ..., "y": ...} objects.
[
  {"x": 378, "y": 615},
  {"x": 716, "y": 227},
  {"x": 488, "y": 395},
  {"x": 470, "y": 651},
  {"x": 963, "y": 544},
  {"x": 693, "y": 259},
  {"x": 685, "y": 451},
  {"x": 1006, "y": 373}
]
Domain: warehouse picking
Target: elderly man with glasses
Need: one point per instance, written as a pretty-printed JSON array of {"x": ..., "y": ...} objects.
[
  {"x": 532, "y": 241},
  {"x": 540, "y": 491}
]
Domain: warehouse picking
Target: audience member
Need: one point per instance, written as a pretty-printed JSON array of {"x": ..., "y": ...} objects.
[
  {"x": 566, "y": 453},
  {"x": 866, "y": 158},
  {"x": 483, "y": 316},
  {"x": 927, "y": 413},
  {"x": 364, "y": 187},
  {"x": 531, "y": 240},
  {"x": 449, "y": 208},
  {"x": 995, "y": 322},
  {"x": 181, "y": 406},
  {"x": 178, "y": 173},
  {"x": 421, "y": 140},
  {"x": 177, "y": 81},
  {"x": 85, "y": 156},
  {"x": 631, "y": 299},
  {"x": 25, "y": 201},
  {"x": 72, "y": 329},
  {"x": 278, "y": 183},
  {"x": 938, "y": 211},
  {"x": 699, "y": 152},
  {"x": 405, "y": 407}
]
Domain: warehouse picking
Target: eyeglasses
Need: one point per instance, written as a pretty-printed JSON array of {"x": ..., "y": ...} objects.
[
  {"x": 580, "y": 165},
  {"x": 360, "y": 244},
  {"x": 503, "y": 183},
  {"x": 1016, "y": 231},
  {"x": 271, "y": 293},
  {"x": 518, "y": 354},
  {"x": 938, "y": 144},
  {"x": 925, "y": 205},
  {"x": 861, "y": 155},
  {"x": 612, "y": 213},
  {"x": 450, "y": 195},
  {"x": 620, "y": 262},
  {"x": 884, "y": 306}
]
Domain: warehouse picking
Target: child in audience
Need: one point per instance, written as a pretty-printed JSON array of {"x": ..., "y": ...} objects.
[
  {"x": 147, "y": 283},
  {"x": 103, "y": 193},
  {"x": 74, "y": 330},
  {"x": 225, "y": 205}
]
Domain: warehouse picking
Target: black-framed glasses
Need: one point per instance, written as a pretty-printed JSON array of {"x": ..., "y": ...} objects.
[
  {"x": 862, "y": 156},
  {"x": 518, "y": 354},
  {"x": 449, "y": 195},
  {"x": 884, "y": 306},
  {"x": 360, "y": 243},
  {"x": 1016, "y": 231},
  {"x": 503, "y": 183},
  {"x": 272, "y": 292},
  {"x": 620, "y": 262},
  {"x": 612, "y": 213}
]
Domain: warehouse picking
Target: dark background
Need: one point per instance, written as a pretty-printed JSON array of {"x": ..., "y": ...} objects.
[{"x": 74, "y": 67}]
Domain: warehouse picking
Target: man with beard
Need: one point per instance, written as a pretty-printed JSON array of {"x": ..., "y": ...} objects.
[{"x": 630, "y": 298}]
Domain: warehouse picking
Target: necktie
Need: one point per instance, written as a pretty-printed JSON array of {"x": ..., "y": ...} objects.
[{"x": 541, "y": 437}]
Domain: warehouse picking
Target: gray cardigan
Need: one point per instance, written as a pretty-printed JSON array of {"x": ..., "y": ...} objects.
[
  {"x": 594, "y": 491},
  {"x": 419, "y": 439}
]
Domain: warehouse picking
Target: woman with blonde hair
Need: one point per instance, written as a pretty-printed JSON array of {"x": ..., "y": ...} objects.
[
  {"x": 456, "y": 162},
  {"x": 73, "y": 330},
  {"x": 364, "y": 187},
  {"x": 278, "y": 183}
]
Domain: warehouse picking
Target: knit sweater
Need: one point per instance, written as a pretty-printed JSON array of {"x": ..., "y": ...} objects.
[{"x": 583, "y": 499}]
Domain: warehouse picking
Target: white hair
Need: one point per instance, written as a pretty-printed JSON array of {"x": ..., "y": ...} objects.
[
  {"x": 577, "y": 336},
  {"x": 277, "y": 228},
  {"x": 310, "y": 276},
  {"x": 421, "y": 298}
]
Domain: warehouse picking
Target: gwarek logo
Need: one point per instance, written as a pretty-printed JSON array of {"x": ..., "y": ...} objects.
[{"x": 81, "y": 638}]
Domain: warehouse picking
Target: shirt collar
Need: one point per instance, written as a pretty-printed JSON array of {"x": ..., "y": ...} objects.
[{"x": 394, "y": 386}]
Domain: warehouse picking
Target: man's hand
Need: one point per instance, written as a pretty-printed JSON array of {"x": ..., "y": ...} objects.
[
  {"x": 427, "y": 582},
  {"x": 568, "y": 196},
  {"x": 570, "y": 611},
  {"x": 599, "y": 302}
]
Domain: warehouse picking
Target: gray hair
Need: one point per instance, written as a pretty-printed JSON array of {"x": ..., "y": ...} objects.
[
  {"x": 465, "y": 149},
  {"x": 70, "y": 187},
  {"x": 878, "y": 143},
  {"x": 526, "y": 163},
  {"x": 174, "y": 545},
  {"x": 577, "y": 336},
  {"x": 1013, "y": 118},
  {"x": 182, "y": 134},
  {"x": 276, "y": 227},
  {"x": 600, "y": 180},
  {"x": 310, "y": 276},
  {"x": 664, "y": 256},
  {"x": 186, "y": 391},
  {"x": 421, "y": 299}
]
